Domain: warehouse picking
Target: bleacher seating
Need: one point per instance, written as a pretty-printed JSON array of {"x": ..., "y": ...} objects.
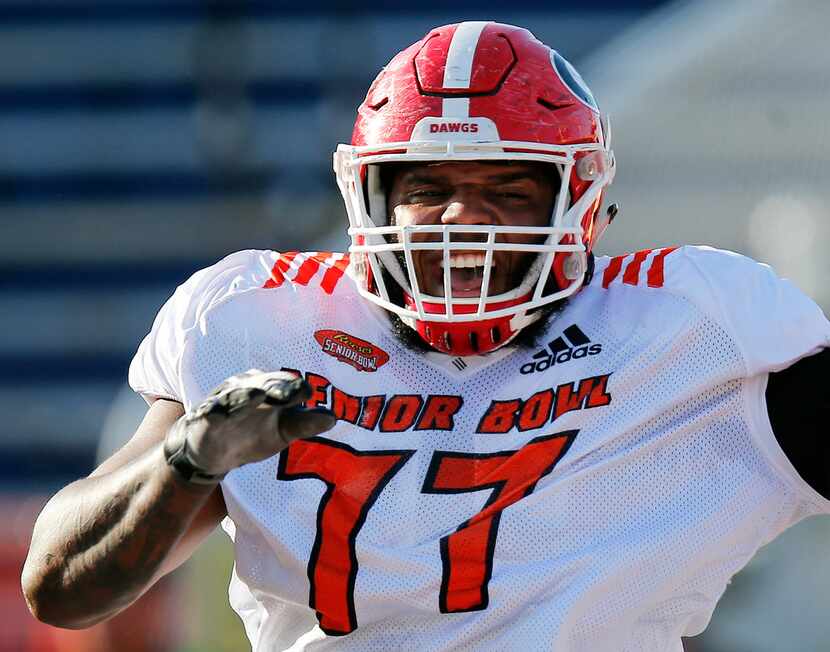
[{"x": 144, "y": 139}]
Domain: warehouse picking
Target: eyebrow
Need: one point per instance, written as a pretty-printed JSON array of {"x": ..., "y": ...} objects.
[
  {"x": 516, "y": 176},
  {"x": 416, "y": 178}
]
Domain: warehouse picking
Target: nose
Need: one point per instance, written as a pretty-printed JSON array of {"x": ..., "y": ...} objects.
[{"x": 468, "y": 208}]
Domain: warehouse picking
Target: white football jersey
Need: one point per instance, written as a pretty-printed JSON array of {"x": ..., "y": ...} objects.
[{"x": 593, "y": 494}]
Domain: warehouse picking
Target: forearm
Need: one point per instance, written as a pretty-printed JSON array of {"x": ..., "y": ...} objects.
[{"x": 101, "y": 542}]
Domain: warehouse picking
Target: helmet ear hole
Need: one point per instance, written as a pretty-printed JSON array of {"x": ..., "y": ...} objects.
[
  {"x": 572, "y": 268},
  {"x": 558, "y": 270}
]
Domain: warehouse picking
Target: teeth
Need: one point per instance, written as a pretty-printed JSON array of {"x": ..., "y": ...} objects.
[{"x": 467, "y": 260}]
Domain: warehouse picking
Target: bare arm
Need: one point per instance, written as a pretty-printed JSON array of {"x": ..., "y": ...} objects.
[{"x": 102, "y": 541}]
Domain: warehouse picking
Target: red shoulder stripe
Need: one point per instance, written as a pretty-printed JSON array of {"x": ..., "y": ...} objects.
[
  {"x": 631, "y": 276},
  {"x": 307, "y": 266},
  {"x": 612, "y": 270},
  {"x": 334, "y": 274},
  {"x": 307, "y": 270},
  {"x": 655, "y": 272},
  {"x": 279, "y": 269},
  {"x": 632, "y": 272}
]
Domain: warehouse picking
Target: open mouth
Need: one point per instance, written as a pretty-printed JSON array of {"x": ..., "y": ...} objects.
[{"x": 466, "y": 274}]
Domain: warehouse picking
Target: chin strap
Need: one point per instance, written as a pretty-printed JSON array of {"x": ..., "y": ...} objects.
[{"x": 470, "y": 337}]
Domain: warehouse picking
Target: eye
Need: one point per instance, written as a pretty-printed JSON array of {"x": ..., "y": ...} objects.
[
  {"x": 514, "y": 194},
  {"x": 426, "y": 194}
]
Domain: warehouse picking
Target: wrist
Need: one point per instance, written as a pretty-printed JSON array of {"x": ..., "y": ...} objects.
[{"x": 180, "y": 459}]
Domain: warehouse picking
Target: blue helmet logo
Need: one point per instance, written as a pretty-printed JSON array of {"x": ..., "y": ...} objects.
[{"x": 573, "y": 80}]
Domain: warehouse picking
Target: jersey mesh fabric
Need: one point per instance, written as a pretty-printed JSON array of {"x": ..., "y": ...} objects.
[{"x": 667, "y": 490}]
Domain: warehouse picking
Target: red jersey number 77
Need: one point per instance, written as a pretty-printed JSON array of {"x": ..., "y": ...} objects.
[{"x": 354, "y": 480}]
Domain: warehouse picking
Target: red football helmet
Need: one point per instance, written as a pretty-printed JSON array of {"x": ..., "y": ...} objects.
[{"x": 468, "y": 92}]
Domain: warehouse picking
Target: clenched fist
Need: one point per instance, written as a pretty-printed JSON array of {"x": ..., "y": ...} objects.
[{"x": 248, "y": 418}]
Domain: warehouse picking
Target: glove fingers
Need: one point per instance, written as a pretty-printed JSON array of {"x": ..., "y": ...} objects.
[
  {"x": 250, "y": 389},
  {"x": 230, "y": 401},
  {"x": 299, "y": 423},
  {"x": 243, "y": 398},
  {"x": 287, "y": 392}
]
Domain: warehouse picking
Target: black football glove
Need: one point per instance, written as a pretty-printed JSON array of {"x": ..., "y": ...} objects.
[{"x": 249, "y": 417}]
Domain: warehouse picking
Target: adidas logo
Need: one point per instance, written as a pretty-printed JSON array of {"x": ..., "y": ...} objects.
[{"x": 572, "y": 345}]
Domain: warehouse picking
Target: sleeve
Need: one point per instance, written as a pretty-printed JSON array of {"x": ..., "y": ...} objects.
[
  {"x": 155, "y": 371},
  {"x": 772, "y": 322}
]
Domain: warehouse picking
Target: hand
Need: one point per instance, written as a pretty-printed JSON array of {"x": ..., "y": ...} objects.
[{"x": 249, "y": 417}]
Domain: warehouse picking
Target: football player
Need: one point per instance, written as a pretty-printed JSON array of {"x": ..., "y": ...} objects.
[{"x": 469, "y": 432}]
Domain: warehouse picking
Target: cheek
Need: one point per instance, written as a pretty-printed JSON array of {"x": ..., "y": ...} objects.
[
  {"x": 404, "y": 215},
  {"x": 519, "y": 238},
  {"x": 523, "y": 238},
  {"x": 542, "y": 214},
  {"x": 539, "y": 216},
  {"x": 397, "y": 215}
]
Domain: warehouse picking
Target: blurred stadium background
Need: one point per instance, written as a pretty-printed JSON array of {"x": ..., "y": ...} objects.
[{"x": 141, "y": 140}]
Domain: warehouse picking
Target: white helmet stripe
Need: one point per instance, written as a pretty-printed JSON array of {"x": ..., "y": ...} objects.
[
  {"x": 460, "y": 54},
  {"x": 455, "y": 107},
  {"x": 459, "y": 67}
]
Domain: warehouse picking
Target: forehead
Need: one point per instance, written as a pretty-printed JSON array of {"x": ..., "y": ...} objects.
[{"x": 473, "y": 171}]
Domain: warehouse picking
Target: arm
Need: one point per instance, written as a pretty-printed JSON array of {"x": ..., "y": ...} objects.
[
  {"x": 104, "y": 540},
  {"x": 798, "y": 405}
]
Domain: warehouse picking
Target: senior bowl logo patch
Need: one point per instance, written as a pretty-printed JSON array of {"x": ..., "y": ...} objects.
[{"x": 362, "y": 355}]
